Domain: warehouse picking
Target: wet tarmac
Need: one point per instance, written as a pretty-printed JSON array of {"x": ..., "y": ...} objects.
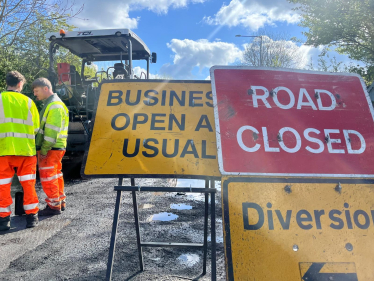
[
  {"x": 188, "y": 259},
  {"x": 180, "y": 206},
  {"x": 164, "y": 216},
  {"x": 75, "y": 245}
]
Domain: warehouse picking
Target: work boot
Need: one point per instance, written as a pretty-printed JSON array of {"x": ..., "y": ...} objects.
[
  {"x": 32, "y": 220},
  {"x": 63, "y": 206},
  {"x": 48, "y": 211},
  {"x": 5, "y": 223}
]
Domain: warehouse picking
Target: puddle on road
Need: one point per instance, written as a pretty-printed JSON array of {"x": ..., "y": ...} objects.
[
  {"x": 196, "y": 183},
  {"x": 190, "y": 182},
  {"x": 188, "y": 259},
  {"x": 164, "y": 216},
  {"x": 180, "y": 206},
  {"x": 145, "y": 206}
]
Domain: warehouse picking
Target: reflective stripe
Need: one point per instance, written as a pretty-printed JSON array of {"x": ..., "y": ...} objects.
[
  {"x": 27, "y": 177},
  {"x": 28, "y": 121},
  {"x": 17, "y": 135},
  {"x": 52, "y": 140},
  {"x": 52, "y": 199},
  {"x": 46, "y": 168},
  {"x": 29, "y": 115},
  {"x": 53, "y": 106},
  {"x": 52, "y": 127},
  {"x": 5, "y": 210},
  {"x": 6, "y": 181},
  {"x": 50, "y": 178},
  {"x": 41, "y": 131},
  {"x": 63, "y": 136},
  {"x": 30, "y": 206},
  {"x": 36, "y": 130},
  {"x": 54, "y": 203},
  {"x": 44, "y": 119},
  {"x": 16, "y": 121},
  {"x": 2, "y": 112},
  {"x": 65, "y": 128}
]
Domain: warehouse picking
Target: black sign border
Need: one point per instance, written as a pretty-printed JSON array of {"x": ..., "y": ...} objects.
[
  {"x": 141, "y": 175},
  {"x": 225, "y": 202}
]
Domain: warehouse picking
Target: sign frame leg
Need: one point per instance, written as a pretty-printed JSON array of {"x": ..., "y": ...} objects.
[
  {"x": 206, "y": 227},
  {"x": 213, "y": 231},
  {"x": 114, "y": 233},
  {"x": 137, "y": 226}
]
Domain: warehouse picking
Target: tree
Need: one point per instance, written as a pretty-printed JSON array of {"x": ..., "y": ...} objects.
[
  {"x": 329, "y": 63},
  {"x": 346, "y": 24},
  {"x": 17, "y": 16},
  {"x": 277, "y": 51},
  {"x": 23, "y": 25},
  {"x": 29, "y": 51}
]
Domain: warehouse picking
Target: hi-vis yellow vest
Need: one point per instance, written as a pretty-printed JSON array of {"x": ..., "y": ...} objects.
[
  {"x": 19, "y": 123},
  {"x": 54, "y": 125}
]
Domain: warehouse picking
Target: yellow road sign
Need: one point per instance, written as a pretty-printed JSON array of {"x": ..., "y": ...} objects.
[
  {"x": 294, "y": 229},
  {"x": 155, "y": 129}
]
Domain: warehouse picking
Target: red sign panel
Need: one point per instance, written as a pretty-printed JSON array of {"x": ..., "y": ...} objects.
[{"x": 292, "y": 123}]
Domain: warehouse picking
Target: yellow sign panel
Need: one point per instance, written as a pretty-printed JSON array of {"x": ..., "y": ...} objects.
[
  {"x": 158, "y": 129},
  {"x": 289, "y": 229}
]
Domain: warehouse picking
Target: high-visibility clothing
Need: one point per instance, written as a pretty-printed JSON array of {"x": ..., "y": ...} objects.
[
  {"x": 51, "y": 178},
  {"x": 26, "y": 172},
  {"x": 19, "y": 123},
  {"x": 54, "y": 124}
]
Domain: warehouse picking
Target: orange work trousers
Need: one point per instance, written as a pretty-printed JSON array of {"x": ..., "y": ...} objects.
[
  {"x": 26, "y": 172},
  {"x": 51, "y": 178}
]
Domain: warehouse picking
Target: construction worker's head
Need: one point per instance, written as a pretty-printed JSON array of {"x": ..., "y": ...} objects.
[
  {"x": 42, "y": 88},
  {"x": 15, "y": 81}
]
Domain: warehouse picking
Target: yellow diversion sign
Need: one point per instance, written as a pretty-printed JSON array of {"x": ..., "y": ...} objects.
[
  {"x": 153, "y": 128},
  {"x": 294, "y": 229}
]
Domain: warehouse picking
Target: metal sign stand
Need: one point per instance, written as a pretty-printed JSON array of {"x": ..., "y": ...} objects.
[{"x": 141, "y": 244}]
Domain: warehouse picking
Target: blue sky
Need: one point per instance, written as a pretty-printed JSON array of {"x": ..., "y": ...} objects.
[{"x": 190, "y": 36}]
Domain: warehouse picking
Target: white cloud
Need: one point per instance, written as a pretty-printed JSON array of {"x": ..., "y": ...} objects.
[
  {"x": 97, "y": 14},
  {"x": 192, "y": 59},
  {"x": 141, "y": 72},
  {"x": 189, "y": 54},
  {"x": 254, "y": 14},
  {"x": 162, "y": 6}
]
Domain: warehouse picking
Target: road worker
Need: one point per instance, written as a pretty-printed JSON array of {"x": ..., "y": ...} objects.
[
  {"x": 19, "y": 123},
  {"x": 51, "y": 146}
]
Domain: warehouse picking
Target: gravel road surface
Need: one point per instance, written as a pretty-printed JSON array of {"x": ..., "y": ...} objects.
[{"x": 75, "y": 245}]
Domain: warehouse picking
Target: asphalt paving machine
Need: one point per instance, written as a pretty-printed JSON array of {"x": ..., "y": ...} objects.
[{"x": 79, "y": 92}]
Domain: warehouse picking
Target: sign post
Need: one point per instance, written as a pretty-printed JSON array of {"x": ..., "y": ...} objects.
[
  {"x": 156, "y": 129},
  {"x": 295, "y": 149}
]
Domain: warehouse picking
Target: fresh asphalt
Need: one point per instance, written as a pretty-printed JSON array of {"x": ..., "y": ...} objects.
[{"x": 75, "y": 245}]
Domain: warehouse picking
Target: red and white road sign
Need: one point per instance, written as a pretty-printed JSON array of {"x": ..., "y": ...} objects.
[{"x": 281, "y": 122}]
